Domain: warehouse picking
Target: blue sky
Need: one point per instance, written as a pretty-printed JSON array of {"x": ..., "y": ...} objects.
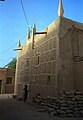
[{"x": 13, "y": 23}]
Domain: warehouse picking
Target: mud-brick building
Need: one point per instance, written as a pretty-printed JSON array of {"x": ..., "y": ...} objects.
[
  {"x": 7, "y": 80},
  {"x": 51, "y": 61}
]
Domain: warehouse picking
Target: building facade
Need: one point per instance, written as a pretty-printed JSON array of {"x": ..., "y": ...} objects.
[
  {"x": 7, "y": 80},
  {"x": 51, "y": 61}
]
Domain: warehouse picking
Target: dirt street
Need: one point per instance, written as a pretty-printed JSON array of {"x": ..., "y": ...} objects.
[{"x": 11, "y": 109}]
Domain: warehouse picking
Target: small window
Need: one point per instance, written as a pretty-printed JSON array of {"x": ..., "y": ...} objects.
[
  {"x": 27, "y": 62},
  {"x": 48, "y": 78},
  {"x": 22, "y": 65},
  {"x": 9, "y": 80},
  {"x": 38, "y": 60}
]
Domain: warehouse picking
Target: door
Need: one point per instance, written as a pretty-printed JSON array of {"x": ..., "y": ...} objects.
[{"x": 0, "y": 86}]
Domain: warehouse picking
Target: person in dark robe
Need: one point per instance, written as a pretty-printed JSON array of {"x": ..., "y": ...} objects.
[{"x": 25, "y": 93}]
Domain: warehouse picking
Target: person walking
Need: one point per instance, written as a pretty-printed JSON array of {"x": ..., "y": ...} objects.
[{"x": 25, "y": 93}]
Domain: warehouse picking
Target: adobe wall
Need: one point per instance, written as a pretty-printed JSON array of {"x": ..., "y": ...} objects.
[
  {"x": 78, "y": 62},
  {"x": 43, "y": 75},
  {"x": 9, "y": 88},
  {"x": 40, "y": 74},
  {"x": 71, "y": 52},
  {"x": 4, "y": 73}
]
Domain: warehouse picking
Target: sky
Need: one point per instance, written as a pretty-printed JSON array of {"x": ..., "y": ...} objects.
[{"x": 13, "y": 25}]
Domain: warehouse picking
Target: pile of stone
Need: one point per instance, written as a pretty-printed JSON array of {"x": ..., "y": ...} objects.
[
  {"x": 37, "y": 99},
  {"x": 69, "y": 105}
]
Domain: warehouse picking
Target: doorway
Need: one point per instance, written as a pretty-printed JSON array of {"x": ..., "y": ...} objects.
[{"x": 0, "y": 86}]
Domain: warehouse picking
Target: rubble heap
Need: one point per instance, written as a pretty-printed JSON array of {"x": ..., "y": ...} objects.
[{"x": 69, "y": 105}]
